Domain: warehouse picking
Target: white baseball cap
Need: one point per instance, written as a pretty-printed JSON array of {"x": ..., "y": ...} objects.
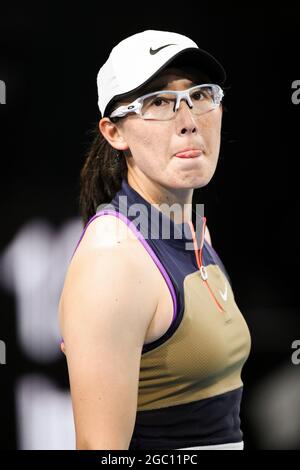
[{"x": 137, "y": 59}]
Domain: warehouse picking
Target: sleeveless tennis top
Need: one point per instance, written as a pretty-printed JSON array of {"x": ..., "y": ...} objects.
[{"x": 190, "y": 383}]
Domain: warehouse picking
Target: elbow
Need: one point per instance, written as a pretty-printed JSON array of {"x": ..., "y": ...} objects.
[{"x": 100, "y": 444}]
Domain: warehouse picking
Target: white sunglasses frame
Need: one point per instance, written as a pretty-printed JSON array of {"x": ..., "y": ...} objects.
[{"x": 136, "y": 105}]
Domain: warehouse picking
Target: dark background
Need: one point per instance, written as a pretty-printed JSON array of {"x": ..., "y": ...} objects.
[{"x": 49, "y": 60}]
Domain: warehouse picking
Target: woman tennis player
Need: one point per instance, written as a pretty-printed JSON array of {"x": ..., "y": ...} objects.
[{"x": 154, "y": 340}]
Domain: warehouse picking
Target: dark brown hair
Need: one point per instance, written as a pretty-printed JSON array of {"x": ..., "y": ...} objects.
[{"x": 101, "y": 175}]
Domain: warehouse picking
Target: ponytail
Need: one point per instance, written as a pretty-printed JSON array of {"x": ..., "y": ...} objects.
[{"x": 101, "y": 175}]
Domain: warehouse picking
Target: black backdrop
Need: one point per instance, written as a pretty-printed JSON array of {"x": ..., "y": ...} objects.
[{"x": 49, "y": 60}]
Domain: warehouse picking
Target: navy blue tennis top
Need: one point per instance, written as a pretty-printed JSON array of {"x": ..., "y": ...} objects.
[{"x": 190, "y": 385}]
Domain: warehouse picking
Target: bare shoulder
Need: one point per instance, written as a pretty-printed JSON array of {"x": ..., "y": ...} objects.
[
  {"x": 110, "y": 260},
  {"x": 107, "y": 231}
]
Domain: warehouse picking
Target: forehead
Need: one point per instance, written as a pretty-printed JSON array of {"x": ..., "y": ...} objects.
[
  {"x": 171, "y": 78},
  {"x": 168, "y": 77}
]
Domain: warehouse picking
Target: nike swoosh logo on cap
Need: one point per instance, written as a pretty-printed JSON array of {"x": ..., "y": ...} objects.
[{"x": 155, "y": 51}]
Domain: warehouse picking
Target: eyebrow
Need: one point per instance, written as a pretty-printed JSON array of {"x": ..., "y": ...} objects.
[
  {"x": 149, "y": 89},
  {"x": 162, "y": 86},
  {"x": 153, "y": 87}
]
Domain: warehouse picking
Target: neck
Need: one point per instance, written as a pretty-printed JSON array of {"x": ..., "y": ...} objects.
[{"x": 173, "y": 202}]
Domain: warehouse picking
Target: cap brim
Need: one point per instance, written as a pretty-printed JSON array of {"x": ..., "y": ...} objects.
[{"x": 200, "y": 60}]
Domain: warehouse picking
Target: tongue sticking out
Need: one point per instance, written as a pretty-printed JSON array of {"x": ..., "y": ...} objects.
[{"x": 189, "y": 154}]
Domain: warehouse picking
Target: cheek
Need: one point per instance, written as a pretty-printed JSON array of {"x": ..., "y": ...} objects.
[
  {"x": 145, "y": 142},
  {"x": 211, "y": 132}
]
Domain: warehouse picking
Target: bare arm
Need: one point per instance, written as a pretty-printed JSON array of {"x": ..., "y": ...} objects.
[{"x": 105, "y": 310}]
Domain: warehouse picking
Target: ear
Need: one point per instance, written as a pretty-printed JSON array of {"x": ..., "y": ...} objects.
[{"x": 113, "y": 134}]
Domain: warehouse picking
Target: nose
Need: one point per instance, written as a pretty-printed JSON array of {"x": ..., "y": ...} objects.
[{"x": 185, "y": 123}]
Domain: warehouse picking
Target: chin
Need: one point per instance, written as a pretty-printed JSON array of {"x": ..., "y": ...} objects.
[
  {"x": 197, "y": 182},
  {"x": 188, "y": 181}
]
